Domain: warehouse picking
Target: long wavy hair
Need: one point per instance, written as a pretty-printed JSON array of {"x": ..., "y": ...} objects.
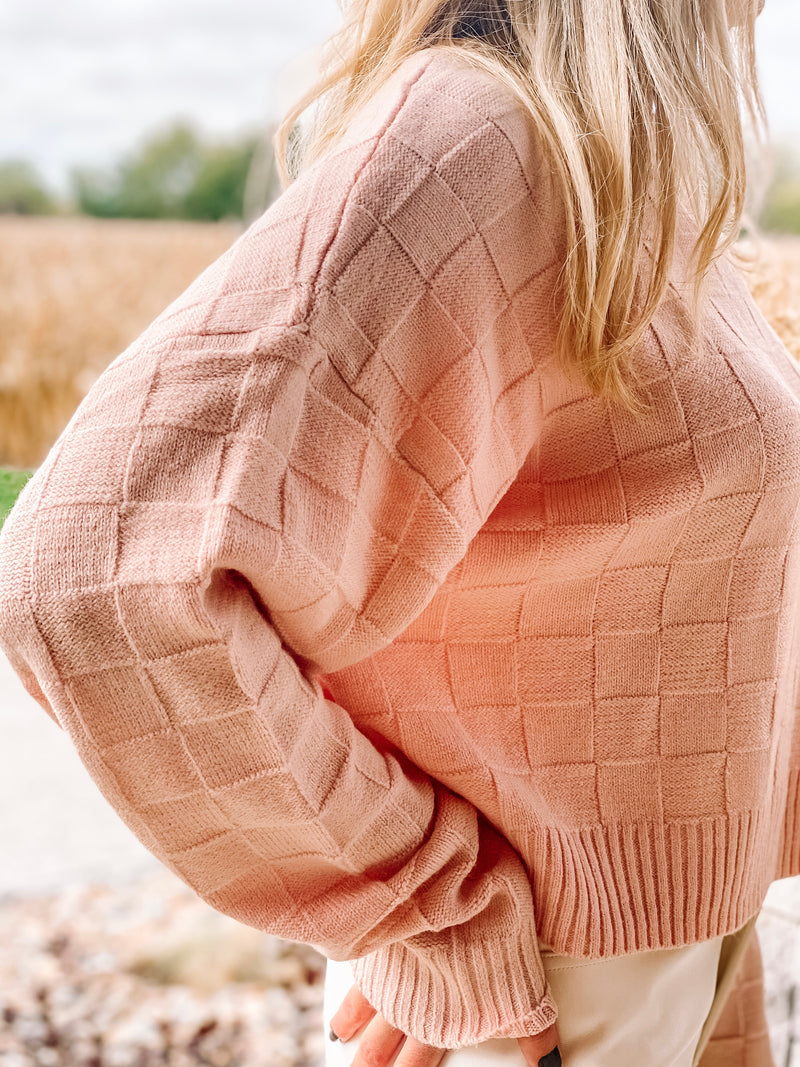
[{"x": 639, "y": 103}]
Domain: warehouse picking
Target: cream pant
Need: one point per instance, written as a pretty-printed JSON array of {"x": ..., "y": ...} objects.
[{"x": 654, "y": 1009}]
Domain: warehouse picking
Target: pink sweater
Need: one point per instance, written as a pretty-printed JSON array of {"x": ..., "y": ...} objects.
[{"x": 385, "y": 634}]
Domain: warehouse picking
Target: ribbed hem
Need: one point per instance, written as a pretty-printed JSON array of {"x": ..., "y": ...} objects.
[
  {"x": 614, "y": 890},
  {"x": 609, "y": 891},
  {"x": 463, "y": 996},
  {"x": 790, "y": 851}
]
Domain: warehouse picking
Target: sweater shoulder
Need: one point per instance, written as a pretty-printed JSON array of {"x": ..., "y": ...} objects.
[
  {"x": 442, "y": 116},
  {"x": 446, "y": 89},
  {"x": 445, "y": 153}
]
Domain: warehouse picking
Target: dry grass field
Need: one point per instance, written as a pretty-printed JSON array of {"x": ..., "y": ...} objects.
[
  {"x": 75, "y": 292},
  {"x": 775, "y": 284}
]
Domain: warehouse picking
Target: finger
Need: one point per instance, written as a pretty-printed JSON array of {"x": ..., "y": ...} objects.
[
  {"x": 536, "y": 1048},
  {"x": 378, "y": 1045},
  {"x": 415, "y": 1054},
  {"x": 352, "y": 1015}
]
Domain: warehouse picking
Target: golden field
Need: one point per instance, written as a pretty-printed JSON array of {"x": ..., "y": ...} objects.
[{"x": 74, "y": 292}]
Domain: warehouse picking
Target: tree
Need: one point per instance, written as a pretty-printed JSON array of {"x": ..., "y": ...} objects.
[
  {"x": 173, "y": 174},
  {"x": 95, "y": 192},
  {"x": 22, "y": 191},
  {"x": 218, "y": 190}
]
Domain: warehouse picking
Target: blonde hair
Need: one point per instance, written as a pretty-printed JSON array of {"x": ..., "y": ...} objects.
[{"x": 638, "y": 103}]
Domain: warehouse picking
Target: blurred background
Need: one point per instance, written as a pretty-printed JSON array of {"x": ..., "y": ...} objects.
[{"x": 135, "y": 146}]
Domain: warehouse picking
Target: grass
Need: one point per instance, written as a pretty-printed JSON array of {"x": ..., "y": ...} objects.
[{"x": 11, "y": 483}]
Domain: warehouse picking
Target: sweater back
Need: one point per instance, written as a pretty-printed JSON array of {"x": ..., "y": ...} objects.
[{"x": 382, "y": 631}]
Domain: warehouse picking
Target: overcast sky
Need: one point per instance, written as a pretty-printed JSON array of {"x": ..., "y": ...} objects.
[{"x": 81, "y": 80}]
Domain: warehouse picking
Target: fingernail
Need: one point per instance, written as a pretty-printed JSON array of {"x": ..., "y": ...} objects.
[
  {"x": 552, "y": 1059},
  {"x": 332, "y": 1036}
]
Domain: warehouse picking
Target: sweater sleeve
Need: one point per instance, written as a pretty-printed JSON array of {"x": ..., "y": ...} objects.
[{"x": 270, "y": 484}]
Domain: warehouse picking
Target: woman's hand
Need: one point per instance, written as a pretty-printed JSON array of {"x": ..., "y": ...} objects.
[{"x": 380, "y": 1041}]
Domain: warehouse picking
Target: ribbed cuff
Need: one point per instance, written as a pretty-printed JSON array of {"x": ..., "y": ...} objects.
[{"x": 460, "y": 992}]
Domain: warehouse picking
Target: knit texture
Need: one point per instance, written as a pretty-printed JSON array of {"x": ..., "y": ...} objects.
[{"x": 382, "y": 631}]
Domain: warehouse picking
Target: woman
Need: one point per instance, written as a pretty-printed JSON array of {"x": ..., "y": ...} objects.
[{"x": 422, "y": 584}]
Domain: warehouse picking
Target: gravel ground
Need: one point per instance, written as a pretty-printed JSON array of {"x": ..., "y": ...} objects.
[{"x": 149, "y": 975}]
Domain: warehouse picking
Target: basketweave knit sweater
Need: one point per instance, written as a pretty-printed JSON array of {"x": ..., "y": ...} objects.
[{"x": 388, "y": 636}]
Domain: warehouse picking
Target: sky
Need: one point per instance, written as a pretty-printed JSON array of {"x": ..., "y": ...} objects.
[{"x": 81, "y": 82}]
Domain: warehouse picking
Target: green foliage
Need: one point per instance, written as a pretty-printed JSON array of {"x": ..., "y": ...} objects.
[
  {"x": 172, "y": 175},
  {"x": 94, "y": 192},
  {"x": 781, "y": 211},
  {"x": 11, "y": 483},
  {"x": 22, "y": 191},
  {"x": 218, "y": 190},
  {"x": 150, "y": 184}
]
